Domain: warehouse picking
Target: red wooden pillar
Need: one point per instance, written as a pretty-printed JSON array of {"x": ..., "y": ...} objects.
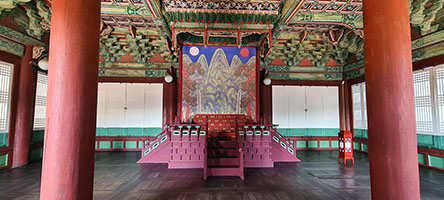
[
  {"x": 392, "y": 141},
  {"x": 24, "y": 110},
  {"x": 170, "y": 100},
  {"x": 345, "y": 108},
  {"x": 68, "y": 158},
  {"x": 266, "y": 108},
  {"x": 345, "y": 136},
  {"x": 349, "y": 106}
]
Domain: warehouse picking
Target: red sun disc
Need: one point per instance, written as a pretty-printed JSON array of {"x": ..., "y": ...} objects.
[{"x": 244, "y": 52}]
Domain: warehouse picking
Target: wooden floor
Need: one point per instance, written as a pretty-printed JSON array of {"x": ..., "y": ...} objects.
[{"x": 318, "y": 176}]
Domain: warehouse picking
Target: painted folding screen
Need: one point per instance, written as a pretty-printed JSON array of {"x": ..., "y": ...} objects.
[{"x": 218, "y": 80}]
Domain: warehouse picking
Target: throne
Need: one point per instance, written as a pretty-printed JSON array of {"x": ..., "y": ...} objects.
[{"x": 222, "y": 126}]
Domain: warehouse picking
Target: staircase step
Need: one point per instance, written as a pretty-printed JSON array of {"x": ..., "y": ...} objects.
[
  {"x": 222, "y": 144},
  {"x": 224, "y": 166},
  {"x": 223, "y": 152},
  {"x": 211, "y": 162},
  {"x": 229, "y": 136},
  {"x": 226, "y": 172}
]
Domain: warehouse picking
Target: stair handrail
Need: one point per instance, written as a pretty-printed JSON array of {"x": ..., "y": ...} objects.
[
  {"x": 241, "y": 163},
  {"x": 284, "y": 138},
  {"x": 274, "y": 129},
  {"x": 147, "y": 143},
  {"x": 205, "y": 167},
  {"x": 240, "y": 153}
]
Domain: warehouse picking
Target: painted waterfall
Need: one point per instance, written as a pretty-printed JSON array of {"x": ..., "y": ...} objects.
[{"x": 218, "y": 80}]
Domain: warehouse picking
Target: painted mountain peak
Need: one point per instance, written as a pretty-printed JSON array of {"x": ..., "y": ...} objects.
[{"x": 220, "y": 87}]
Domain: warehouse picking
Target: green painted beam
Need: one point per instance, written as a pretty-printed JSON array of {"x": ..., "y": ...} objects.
[
  {"x": 308, "y": 132},
  {"x": 19, "y": 37},
  {"x": 11, "y": 47},
  {"x": 428, "y": 40},
  {"x": 127, "y": 132},
  {"x": 130, "y": 11}
]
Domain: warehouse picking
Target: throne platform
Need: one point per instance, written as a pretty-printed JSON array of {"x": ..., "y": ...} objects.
[{"x": 220, "y": 144}]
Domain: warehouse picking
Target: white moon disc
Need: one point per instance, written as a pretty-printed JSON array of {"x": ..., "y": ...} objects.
[{"x": 194, "y": 51}]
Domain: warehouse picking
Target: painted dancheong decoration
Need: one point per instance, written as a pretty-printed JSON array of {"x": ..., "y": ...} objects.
[
  {"x": 220, "y": 144},
  {"x": 218, "y": 80},
  {"x": 297, "y": 39}
]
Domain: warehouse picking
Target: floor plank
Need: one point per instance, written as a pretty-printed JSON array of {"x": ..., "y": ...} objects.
[{"x": 318, "y": 176}]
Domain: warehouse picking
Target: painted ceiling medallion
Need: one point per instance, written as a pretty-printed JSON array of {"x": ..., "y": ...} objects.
[{"x": 194, "y": 51}]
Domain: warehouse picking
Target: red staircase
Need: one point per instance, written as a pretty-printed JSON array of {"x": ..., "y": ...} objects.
[{"x": 224, "y": 158}]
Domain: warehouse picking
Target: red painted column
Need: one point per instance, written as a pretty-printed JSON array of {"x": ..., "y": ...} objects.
[
  {"x": 68, "y": 158},
  {"x": 349, "y": 105},
  {"x": 266, "y": 106},
  {"x": 24, "y": 110},
  {"x": 391, "y": 116},
  {"x": 170, "y": 100},
  {"x": 345, "y": 110}
]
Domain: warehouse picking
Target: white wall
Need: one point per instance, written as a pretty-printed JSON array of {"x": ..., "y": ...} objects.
[
  {"x": 306, "y": 106},
  {"x": 129, "y": 105}
]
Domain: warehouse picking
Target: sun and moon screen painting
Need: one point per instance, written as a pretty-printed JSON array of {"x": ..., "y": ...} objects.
[{"x": 218, "y": 80}]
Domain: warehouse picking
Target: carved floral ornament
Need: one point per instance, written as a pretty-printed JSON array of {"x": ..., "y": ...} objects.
[
  {"x": 424, "y": 13},
  {"x": 11, "y": 4},
  {"x": 319, "y": 49},
  {"x": 141, "y": 47},
  {"x": 36, "y": 19}
]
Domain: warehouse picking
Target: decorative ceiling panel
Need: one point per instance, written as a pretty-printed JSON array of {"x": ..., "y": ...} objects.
[
  {"x": 317, "y": 33},
  {"x": 223, "y": 6},
  {"x": 126, "y": 21},
  {"x": 312, "y": 27},
  {"x": 333, "y": 6},
  {"x": 123, "y": 2}
]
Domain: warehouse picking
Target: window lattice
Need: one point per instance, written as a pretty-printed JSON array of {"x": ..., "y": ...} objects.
[
  {"x": 440, "y": 97},
  {"x": 428, "y": 88},
  {"x": 423, "y": 102},
  {"x": 5, "y": 91},
  {"x": 364, "y": 106},
  {"x": 357, "y": 106},
  {"x": 40, "y": 101}
]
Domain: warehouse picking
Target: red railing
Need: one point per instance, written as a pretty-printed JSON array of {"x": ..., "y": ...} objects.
[
  {"x": 7, "y": 151},
  {"x": 318, "y": 141},
  {"x": 421, "y": 150},
  {"x": 150, "y": 141},
  {"x": 111, "y": 140}
]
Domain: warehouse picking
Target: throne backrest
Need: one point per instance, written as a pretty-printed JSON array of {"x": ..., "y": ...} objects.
[{"x": 221, "y": 122}]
